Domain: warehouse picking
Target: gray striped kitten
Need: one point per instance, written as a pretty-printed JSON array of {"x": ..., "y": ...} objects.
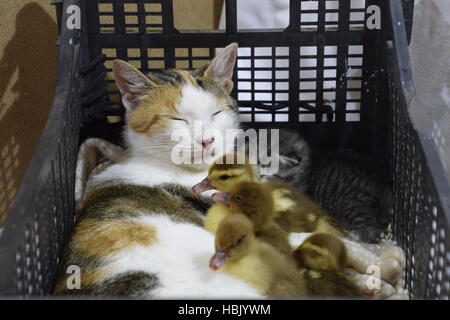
[{"x": 352, "y": 188}]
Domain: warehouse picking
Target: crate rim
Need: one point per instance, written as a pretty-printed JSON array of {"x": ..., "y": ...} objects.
[
  {"x": 69, "y": 60},
  {"x": 40, "y": 163},
  {"x": 400, "y": 53}
]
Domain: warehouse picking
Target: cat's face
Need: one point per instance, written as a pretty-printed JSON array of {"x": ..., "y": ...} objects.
[{"x": 176, "y": 115}]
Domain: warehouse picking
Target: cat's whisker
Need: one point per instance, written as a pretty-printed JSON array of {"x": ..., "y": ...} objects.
[
  {"x": 162, "y": 147},
  {"x": 155, "y": 146}
]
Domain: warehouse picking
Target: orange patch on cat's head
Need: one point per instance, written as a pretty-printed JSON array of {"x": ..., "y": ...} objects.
[{"x": 155, "y": 108}]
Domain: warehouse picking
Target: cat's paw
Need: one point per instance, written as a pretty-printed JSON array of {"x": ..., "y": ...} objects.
[
  {"x": 394, "y": 252},
  {"x": 401, "y": 294},
  {"x": 369, "y": 286},
  {"x": 384, "y": 291},
  {"x": 392, "y": 264}
]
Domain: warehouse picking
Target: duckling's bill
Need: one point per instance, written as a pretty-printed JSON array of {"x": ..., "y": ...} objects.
[
  {"x": 221, "y": 197},
  {"x": 203, "y": 186},
  {"x": 218, "y": 260}
]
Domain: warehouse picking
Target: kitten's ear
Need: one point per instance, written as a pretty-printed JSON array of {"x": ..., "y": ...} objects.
[
  {"x": 288, "y": 162},
  {"x": 132, "y": 83},
  {"x": 222, "y": 66}
]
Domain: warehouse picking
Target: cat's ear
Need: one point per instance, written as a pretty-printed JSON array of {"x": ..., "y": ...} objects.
[
  {"x": 222, "y": 66},
  {"x": 288, "y": 162},
  {"x": 132, "y": 83}
]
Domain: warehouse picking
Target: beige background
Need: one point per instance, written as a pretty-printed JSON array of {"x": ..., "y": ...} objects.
[
  {"x": 28, "y": 60},
  {"x": 197, "y": 14}
]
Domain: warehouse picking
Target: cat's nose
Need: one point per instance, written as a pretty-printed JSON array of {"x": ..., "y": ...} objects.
[{"x": 207, "y": 142}]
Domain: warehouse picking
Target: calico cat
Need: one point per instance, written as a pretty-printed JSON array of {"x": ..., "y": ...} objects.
[
  {"x": 352, "y": 188},
  {"x": 140, "y": 232}
]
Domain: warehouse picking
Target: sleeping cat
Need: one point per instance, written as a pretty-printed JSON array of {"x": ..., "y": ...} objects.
[
  {"x": 140, "y": 231},
  {"x": 352, "y": 188}
]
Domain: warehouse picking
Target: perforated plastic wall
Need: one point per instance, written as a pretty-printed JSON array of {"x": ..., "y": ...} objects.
[{"x": 326, "y": 59}]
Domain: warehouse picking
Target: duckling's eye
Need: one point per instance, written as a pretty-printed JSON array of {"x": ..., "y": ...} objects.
[
  {"x": 237, "y": 198},
  {"x": 239, "y": 241},
  {"x": 224, "y": 177}
]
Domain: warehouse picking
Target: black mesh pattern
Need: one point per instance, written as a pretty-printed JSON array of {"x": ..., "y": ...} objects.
[
  {"x": 420, "y": 224},
  {"x": 128, "y": 16},
  {"x": 332, "y": 15},
  {"x": 420, "y": 188},
  {"x": 50, "y": 217},
  {"x": 286, "y": 76}
]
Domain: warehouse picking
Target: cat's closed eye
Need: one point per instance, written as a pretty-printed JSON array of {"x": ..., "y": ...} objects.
[
  {"x": 179, "y": 119},
  {"x": 216, "y": 113}
]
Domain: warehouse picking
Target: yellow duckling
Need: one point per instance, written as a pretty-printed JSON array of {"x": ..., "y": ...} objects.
[
  {"x": 323, "y": 252},
  {"x": 254, "y": 200},
  {"x": 227, "y": 172},
  {"x": 216, "y": 212},
  {"x": 239, "y": 253},
  {"x": 296, "y": 212},
  {"x": 293, "y": 210},
  {"x": 224, "y": 177}
]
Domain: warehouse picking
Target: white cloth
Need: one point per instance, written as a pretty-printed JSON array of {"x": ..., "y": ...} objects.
[
  {"x": 430, "y": 60},
  {"x": 260, "y": 14},
  {"x": 274, "y": 14}
]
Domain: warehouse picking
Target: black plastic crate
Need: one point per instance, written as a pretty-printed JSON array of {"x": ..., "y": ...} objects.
[{"x": 365, "y": 110}]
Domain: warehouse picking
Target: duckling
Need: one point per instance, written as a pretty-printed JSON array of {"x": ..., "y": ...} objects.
[
  {"x": 227, "y": 172},
  {"x": 224, "y": 177},
  {"x": 255, "y": 201},
  {"x": 293, "y": 210},
  {"x": 219, "y": 210},
  {"x": 322, "y": 252},
  {"x": 239, "y": 253},
  {"x": 296, "y": 212}
]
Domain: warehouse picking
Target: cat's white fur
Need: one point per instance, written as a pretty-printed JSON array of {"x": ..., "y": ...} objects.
[
  {"x": 182, "y": 251},
  {"x": 180, "y": 258}
]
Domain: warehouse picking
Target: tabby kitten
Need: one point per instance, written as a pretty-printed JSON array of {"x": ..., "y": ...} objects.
[
  {"x": 140, "y": 232},
  {"x": 352, "y": 188}
]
